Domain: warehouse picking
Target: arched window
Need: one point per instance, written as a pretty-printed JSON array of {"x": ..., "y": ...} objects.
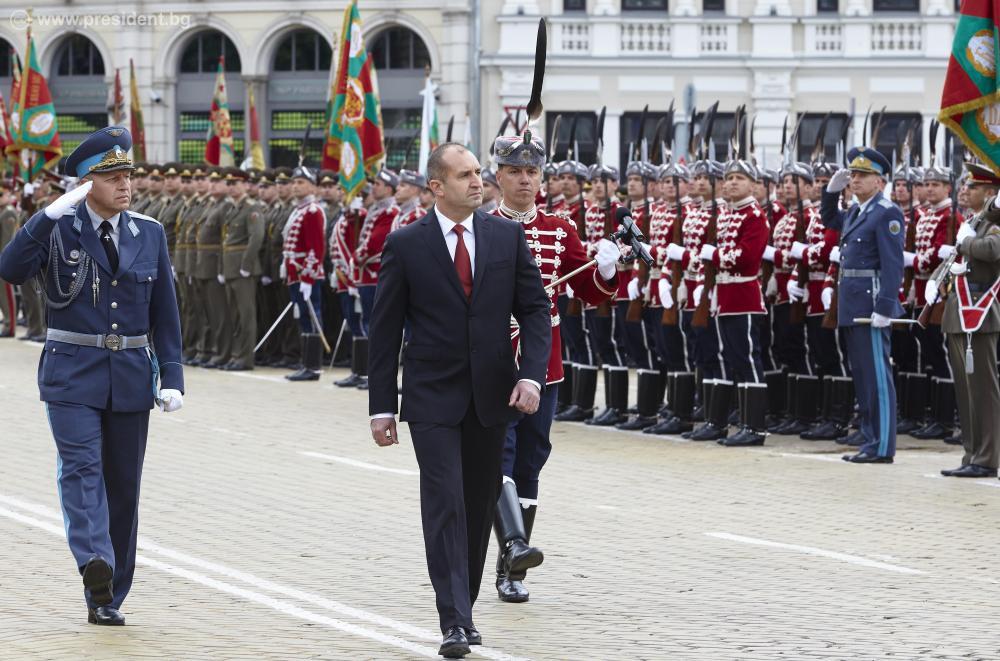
[
  {"x": 77, "y": 56},
  {"x": 303, "y": 50},
  {"x": 78, "y": 90},
  {"x": 198, "y": 66},
  {"x": 6, "y": 59},
  {"x": 400, "y": 57},
  {"x": 399, "y": 48}
]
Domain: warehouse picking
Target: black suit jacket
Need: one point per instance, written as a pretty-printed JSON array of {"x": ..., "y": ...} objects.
[{"x": 459, "y": 350}]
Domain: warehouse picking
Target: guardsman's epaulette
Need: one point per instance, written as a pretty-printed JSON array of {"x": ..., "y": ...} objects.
[
  {"x": 885, "y": 203},
  {"x": 142, "y": 216}
]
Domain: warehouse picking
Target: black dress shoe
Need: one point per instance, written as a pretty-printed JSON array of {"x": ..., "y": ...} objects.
[
  {"x": 209, "y": 366},
  {"x": 105, "y": 616},
  {"x": 791, "y": 427},
  {"x": 97, "y": 575},
  {"x": 352, "y": 381},
  {"x": 672, "y": 426},
  {"x": 865, "y": 458},
  {"x": 520, "y": 557},
  {"x": 954, "y": 439},
  {"x": 303, "y": 375},
  {"x": 455, "y": 645},
  {"x": 708, "y": 432},
  {"x": 743, "y": 439},
  {"x": 364, "y": 383},
  {"x": 472, "y": 633},
  {"x": 854, "y": 439},
  {"x": 511, "y": 592},
  {"x": 934, "y": 430},
  {"x": 974, "y": 470},
  {"x": 907, "y": 425},
  {"x": 608, "y": 418},
  {"x": 575, "y": 414},
  {"x": 237, "y": 367},
  {"x": 636, "y": 423},
  {"x": 948, "y": 472},
  {"x": 824, "y": 431}
]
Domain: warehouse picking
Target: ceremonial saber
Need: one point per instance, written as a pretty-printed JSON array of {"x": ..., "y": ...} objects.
[
  {"x": 555, "y": 283},
  {"x": 273, "y": 326},
  {"x": 315, "y": 322},
  {"x": 865, "y": 321},
  {"x": 336, "y": 347}
]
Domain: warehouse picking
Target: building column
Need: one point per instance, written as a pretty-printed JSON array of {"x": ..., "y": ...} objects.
[
  {"x": 612, "y": 136},
  {"x": 772, "y": 103},
  {"x": 453, "y": 78}
]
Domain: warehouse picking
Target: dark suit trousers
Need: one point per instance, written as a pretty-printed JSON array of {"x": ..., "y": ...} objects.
[{"x": 460, "y": 473}]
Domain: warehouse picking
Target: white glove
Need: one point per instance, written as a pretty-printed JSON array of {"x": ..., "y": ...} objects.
[
  {"x": 827, "y": 297},
  {"x": 697, "y": 294},
  {"x": 265, "y": 280},
  {"x": 633, "y": 289},
  {"x": 66, "y": 201},
  {"x": 835, "y": 255},
  {"x": 173, "y": 272},
  {"x": 931, "y": 292},
  {"x": 880, "y": 321},
  {"x": 29, "y": 189},
  {"x": 306, "y": 290},
  {"x": 909, "y": 258},
  {"x": 353, "y": 291},
  {"x": 666, "y": 299},
  {"x": 356, "y": 203},
  {"x": 964, "y": 232},
  {"x": 569, "y": 291},
  {"x": 607, "y": 257},
  {"x": 839, "y": 180},
  {"x": 221, "y": 278},
  {"x": 171, "y": 400},
  {"x": 675, "y": 252},
  {"x": 958, "y": 268},
  {"x": 333, "y": 281},
  {"x": 944, "y": 252},
  {"x": 244, "y": 273},
  {"x": 769, "y": 253},
  {"x": 795, "y": 293},
  {"x": 707, "y": 252},
  {"x": 798, "y": 249}
]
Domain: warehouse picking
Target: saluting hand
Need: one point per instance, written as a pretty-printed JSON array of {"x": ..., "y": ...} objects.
[
  {"x": 839, "y": 180},
  {"x": 525, "y": 397},
  {"x": 68, "y": 200},
  {"x": 384, "y": 432}
]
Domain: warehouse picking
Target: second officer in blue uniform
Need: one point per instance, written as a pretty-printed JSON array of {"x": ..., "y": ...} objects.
[
  {"x": 107, "y": 280},
  {"x": 871, "y": 271}
]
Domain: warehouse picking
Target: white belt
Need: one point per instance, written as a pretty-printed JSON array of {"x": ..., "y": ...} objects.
[{"x": 726, "y": 279}]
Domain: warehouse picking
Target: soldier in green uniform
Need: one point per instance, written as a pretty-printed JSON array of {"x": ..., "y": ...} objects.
[
  {"x": 243, "y": 235},
  {"x": 208, "y": 272},
  {"x": 157, "y": 199},
  {"x": 193, "y": 321},
  {"x": 34, "y": 196},
  {"x": 286, "y": 336},
  {"x": 140, "y": 187}
]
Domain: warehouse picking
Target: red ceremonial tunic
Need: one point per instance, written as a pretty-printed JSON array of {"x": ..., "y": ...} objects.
[
  {"x": 660, "y": 235},
  {"x": 693, "y": 232},
  {"x": 343, "y": 241},
  {"x": 368, "y": 255},
  {"x": 931, "y": 234},
  {"x": 741, "y": 237},
  {"x": 558, "y": 250},
  {"x": 409, "y": 213},
  {"x": 303, "y": 249},
  {"x": 817, "y": 258}
]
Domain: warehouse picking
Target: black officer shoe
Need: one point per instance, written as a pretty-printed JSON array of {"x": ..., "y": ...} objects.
[
  {"x": 948, "y": 472},
  {"x": 511, "y": 592},
  {"x": 708, "y": 432},
  {"x": 932, "y": 430},
  {"x": 607, "y": 418},
  {"x": 973, "y": 470},
  {"x": 105, "y": 616},
  {"x": 854, "y": 439},
  {"x": 303, "y": 375},
  {"x": 824, "y": 431},
  {"x": 352, "y": 381},
  {"x": 97, "y": 575},
  {"x": 672, "y": 425},
  {"x": 455, "y": 645},
  {"x": 907, "y": 425},
  {"x": 865, "y": 458},
  {"x": 472, "y": 633},
  {"x": 636, "y": 423},
  {"x": 744, "y": 438},
  {"x": 575, "y": 414},
  {"x": 364, "y": 383}
]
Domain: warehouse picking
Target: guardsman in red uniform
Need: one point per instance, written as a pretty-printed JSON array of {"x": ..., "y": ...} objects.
[
  {"x": 936, "y": 227},
  {"x": 343, "y": 244},
  {"x": 551, "y": 197},
  {"x": 302, "y": 267},
  {"x": 574, "y": 175},
  {"x": 741, "y": 237},
  {"x": 600, "y": 219},
  {"x": 378, "y": 223},
  {"x": 411, "y": 183},
  {"x": 558, "y": 251}
]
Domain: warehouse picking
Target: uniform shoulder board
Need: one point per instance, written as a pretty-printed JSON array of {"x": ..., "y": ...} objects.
[
  {"x": 142, "y": 216},
  {"x": 993, "y": 230},
  {"x": 885, "y": 203}
]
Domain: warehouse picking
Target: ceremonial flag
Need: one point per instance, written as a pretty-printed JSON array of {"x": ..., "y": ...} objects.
[
  {"x": 116, "y": 104},
  {"x": 33, "y": 127},
  {"x": 970, "y": 101},
  {"x": 353, "y": 145},
  {"x": 10, "y": 152},
  {"x": 5, "y": 139},
  {"x": 429, "y": 135},
  {"x": 255, "y": 153},
  {"x": 135, "y": 115},
  {"x": 219, "y": 141}
]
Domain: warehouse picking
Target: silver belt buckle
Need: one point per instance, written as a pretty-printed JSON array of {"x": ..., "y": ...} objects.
[{"x": 113, "y": 342}]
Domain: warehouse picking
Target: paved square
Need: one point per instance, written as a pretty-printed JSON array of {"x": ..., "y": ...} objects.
[{"x": 272, "y": 527}]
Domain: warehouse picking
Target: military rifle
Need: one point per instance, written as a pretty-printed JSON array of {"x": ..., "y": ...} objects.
[{"x": 706, "y": 152}]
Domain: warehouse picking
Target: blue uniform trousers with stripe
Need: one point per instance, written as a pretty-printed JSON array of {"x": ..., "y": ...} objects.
[
  {"x": 528, "y": 446},
  {"x": 99, "y": 469},
  {"x": 739, "y": 336},
  {"x": 869, "y": 349}
]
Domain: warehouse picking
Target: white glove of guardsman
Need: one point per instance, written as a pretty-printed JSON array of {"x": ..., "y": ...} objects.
[
  {"x": 795, "y": 292},
  {"x": 633, "y": 289},
  {"x": 666, "y": 298},
  {"x": 607, "y": 257},
  {"x": 171, "y": 400},
  {"x": 68, "y": 200},
  {"x": 964, "y": 232},
  {"x": 306, "y": 290}
]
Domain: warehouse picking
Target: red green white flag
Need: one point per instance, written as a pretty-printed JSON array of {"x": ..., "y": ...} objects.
[
  {"x": 138, "y": 127},
  {"x": 219, "y": 141},
  {"x": 33, "y": 127},
  {"x": 970, "y": 101}
]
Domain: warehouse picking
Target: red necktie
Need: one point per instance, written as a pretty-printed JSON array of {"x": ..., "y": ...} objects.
[{"x": 463, "y": 264}]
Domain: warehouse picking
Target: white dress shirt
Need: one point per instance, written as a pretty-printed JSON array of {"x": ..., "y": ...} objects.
[
  {"x": 96, "y": 220},
  {"x": 451, "y": 240}
]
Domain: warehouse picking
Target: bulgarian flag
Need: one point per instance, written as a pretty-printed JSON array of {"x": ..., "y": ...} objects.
[
  {"x": 353, "y": 145},
  {"x": 219, "y": 141},
  {"x": 256, "y": 153},
  {"x": 33, "y": 127},
  {"x": 429, "y": 133},
  {"x": 135, "y": 115},
  {"x": 116, "y": 104},
  {"x": 5, "y": 139},
  {"x": 970, "y": 101}
]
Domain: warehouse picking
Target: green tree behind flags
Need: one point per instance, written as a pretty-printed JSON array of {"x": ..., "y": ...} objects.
[
  {"x": 34, "y": 130},
  {"x": 970, "y": 100},
  {"x": 353, "y": 144}
]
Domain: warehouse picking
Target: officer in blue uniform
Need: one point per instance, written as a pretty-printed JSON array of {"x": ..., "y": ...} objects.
[
  {"x": 109, "y": 290},
  {"x": 871, "y": 271}
]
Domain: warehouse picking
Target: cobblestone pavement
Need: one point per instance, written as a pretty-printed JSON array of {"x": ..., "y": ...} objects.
[{"x": 272, "y": 527}]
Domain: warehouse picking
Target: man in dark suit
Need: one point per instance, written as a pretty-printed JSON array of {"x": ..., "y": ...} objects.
[{"x": 456, "y": 277}]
